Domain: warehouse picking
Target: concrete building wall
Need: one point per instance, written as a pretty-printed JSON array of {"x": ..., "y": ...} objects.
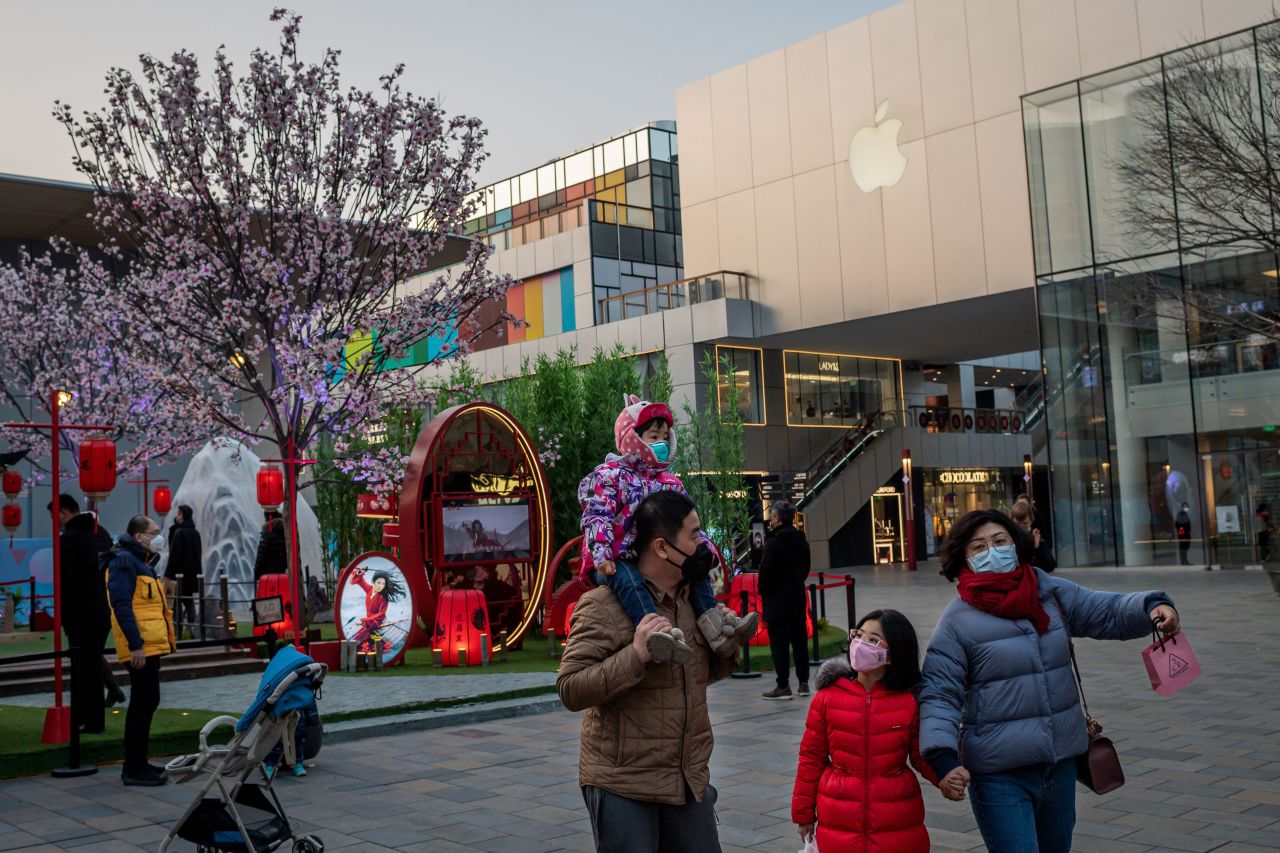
[{"x": 764, "y": 148}]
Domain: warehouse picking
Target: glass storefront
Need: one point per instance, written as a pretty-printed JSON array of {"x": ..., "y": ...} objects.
[
  {"x": 744, "y": 367},
  {"x": 951, "y": 492},
  {"x": 832, "y": 390},
  {"x": 1155, "y": 241}
]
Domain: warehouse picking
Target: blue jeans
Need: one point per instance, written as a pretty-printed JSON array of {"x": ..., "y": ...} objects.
[
  {"x": 628, "y": 585},
  {"x": 1027, "y": 809}
]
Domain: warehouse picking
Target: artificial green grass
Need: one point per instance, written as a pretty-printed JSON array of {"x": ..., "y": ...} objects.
[
  {"x": 22, "y": 754},
  {"x": 534, "y": 657}
]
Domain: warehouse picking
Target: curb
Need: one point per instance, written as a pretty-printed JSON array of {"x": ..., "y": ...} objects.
[{"x": 478, "y": 712}]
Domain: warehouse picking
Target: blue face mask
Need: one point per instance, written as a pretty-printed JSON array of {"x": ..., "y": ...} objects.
[
  {"x": 998, "y": 559},
  {"x": 661, "y": 451}
]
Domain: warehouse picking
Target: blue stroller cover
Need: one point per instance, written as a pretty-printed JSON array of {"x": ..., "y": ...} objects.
[{"x": 301, "y": 694}]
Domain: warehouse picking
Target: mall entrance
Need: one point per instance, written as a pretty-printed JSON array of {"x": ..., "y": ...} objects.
[{"x": 1242, "y": 494}]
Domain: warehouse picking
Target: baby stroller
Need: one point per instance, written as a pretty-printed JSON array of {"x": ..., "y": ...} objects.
[{"x": 214, "y": 821}]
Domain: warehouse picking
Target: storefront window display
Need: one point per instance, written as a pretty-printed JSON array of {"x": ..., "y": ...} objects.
[
  {"x": 843, "y": 391},
  {"x": 951, "y": 492}
]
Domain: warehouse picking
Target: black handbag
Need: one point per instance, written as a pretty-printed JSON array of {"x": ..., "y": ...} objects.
[{"x": 1098, "y": 769}]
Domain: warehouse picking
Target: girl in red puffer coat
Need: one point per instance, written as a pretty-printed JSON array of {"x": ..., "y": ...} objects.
[{"x": 853, "y": 784}]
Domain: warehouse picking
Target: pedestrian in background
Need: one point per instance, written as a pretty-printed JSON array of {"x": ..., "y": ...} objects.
[
  {"x": 1024, "y": 515},
  {"x": 185, "y": 567},
  {"x": 999, "y": 705},
  {"x": 784, "y": 568},
  {"x": 272, "y": 557},
  {"x": 86, "y": 616},
  {"x": 1182, "y": 526},
  {"x": 143, "y": 628}
]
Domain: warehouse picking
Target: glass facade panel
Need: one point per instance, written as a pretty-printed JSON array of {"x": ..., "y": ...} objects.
[
  {"x": 843, "y": 391},
  {"x": 744, "y": 368},
  {"x": 1155, "y": 243},
  {"x": 1055, "y": 173}
]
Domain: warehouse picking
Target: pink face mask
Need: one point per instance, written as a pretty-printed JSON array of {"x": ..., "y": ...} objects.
[{"x": 864, "y": 657}]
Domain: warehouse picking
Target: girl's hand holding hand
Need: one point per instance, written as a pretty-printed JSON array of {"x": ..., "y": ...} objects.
[{"x": 954, "y": 783}]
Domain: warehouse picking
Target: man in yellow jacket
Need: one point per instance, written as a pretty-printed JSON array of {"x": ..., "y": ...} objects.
[{"x": 143, "y": 629}]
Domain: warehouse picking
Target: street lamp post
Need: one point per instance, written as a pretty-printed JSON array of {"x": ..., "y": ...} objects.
[
  {"x": 57, "y": 720},
  {"x": 909, "y": 522}
]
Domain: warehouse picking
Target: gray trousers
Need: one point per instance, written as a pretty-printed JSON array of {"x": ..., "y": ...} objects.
[{"x": 622, "y": 825}]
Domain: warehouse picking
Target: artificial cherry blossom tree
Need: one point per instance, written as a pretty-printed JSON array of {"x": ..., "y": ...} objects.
[
  {"x": 62, "y": 336},
  {"x": 274, "y": 220}
]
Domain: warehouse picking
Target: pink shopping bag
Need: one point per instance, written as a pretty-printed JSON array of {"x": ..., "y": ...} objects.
[{"x": 1171, "y": 665}]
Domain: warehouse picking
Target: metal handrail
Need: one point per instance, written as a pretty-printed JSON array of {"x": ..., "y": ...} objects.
[
  {"x": 847, "y": 448},
  {"x": 723, "y": 284}
]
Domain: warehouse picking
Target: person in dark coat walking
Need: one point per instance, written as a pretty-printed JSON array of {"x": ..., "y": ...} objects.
[
  {"x": 186, "y": 561},
  {"x": 1182, "y": 526},
  {"x": 86, "y": 616},
  {"x": 272, "y": 557},
  {"x": 784, "y": 567}
]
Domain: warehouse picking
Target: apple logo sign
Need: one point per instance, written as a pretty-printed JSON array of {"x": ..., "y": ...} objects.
[{"x": 874, "y": 157}]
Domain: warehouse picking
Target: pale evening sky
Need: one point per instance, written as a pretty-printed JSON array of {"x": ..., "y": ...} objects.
[{"x": 546, "y": 77}]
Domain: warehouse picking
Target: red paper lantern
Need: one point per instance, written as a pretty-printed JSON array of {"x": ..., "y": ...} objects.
[
  {"x": 270, "y": 486},
  {"x": 12, "y": 484},
  {"x": 462, "y": 616},
  {"x": 162, "y": 498},
  {"x": 97, "y": 467},
  {"x": 11, "y": 516}
]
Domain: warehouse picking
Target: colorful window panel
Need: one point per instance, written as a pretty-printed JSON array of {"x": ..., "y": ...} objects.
[
  {"x": 617, "y": 171},
  {"x": 545, "y": 303}
]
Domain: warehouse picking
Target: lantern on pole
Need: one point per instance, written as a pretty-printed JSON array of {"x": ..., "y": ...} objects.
[
  {"x": 162, "y": 499},
  {"x": 97, "y": 467},
  {"x": 270, "y": 486},
  {"x": 12, "y": 484},
  {"x": 11, "y": 517}
]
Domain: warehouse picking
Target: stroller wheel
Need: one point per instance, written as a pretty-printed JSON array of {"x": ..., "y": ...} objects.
[{"x": 308, "y": 844}]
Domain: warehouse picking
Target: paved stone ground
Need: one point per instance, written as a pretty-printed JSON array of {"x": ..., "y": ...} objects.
[
  {"x": 233, "y": 693},
  {"x": 1203, "y": 768}
]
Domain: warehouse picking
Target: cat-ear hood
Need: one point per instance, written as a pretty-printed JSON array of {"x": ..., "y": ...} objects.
[{"x": 629, "y": 443}]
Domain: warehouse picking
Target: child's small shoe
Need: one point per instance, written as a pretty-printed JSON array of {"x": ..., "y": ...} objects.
[
  {"x": 669, "y": 646},
  {"x": 744, "y": 627},
  {"x": 715, "y": 627},
  {"x": 299, "y": 771},
  {"x": 268, "y": 769}
]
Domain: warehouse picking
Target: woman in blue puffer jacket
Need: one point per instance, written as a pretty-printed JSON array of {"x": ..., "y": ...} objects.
[{"x": 999, "y": 707}]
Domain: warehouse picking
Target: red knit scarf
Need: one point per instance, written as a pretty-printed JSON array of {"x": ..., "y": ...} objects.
[{"x": 1011, "y": 595}]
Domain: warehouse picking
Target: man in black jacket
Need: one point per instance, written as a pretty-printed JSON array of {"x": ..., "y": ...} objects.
[
  {"x": 784, "y": 567},
  {"x": 86, "y": 616},
  {"x": 186, "y": 562}
]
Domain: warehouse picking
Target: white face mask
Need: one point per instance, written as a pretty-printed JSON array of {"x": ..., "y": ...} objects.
[{"x": 157, "y": 543}]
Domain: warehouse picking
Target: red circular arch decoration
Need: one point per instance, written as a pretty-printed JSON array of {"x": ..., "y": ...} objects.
[{"x": 475, "y": 454}]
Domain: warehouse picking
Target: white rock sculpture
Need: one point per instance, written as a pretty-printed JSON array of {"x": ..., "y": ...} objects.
[{"x": 221, "y": 487}]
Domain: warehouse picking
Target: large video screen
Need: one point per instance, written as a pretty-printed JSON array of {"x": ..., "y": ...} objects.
[{"x": 486, "y": 533}]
